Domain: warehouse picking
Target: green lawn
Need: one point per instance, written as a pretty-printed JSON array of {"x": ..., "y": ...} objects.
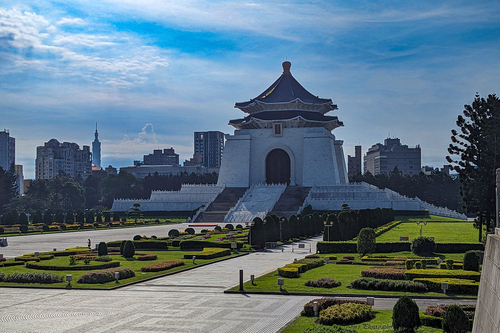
[
  {"x": 441, "y": 231},
  {"x": 428, "y": 218},
  {"x": 382, "y": 323},
  {"x": 342, "y": 273},
  {"x": 133, "y": 264}
]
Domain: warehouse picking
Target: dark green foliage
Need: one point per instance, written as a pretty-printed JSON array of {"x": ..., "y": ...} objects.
[
  {"x": 329, "y": 329},
  {"x": 471, "y": 261},
  {"x": 455, "y": 320},
  {"x": 294, "y": 227},
  {"x": 122, "y": 246},
  {"x": 284, "y": 229},
  {"x": 23, "y": 228},
  {"x": 116, "y": 217},
  {"x": 173, "y": 233},
  {"x": 229, "y": 226},
  {"x": 137, "y": 237},
  {"x": 102, "y": 249},
  {"x": 345, "y": 314},
  {"x": 308, "y": 228},
  {"x": 69, "y": 218},
  {"x": 458, "y": 247},
  {"x": 8, "y": 219},
  {"x": 59, "y": 218},
  {"x": 199, "y": 244},
  {"x": 8, "y": 188},
  {"x": 271, "y": 230},
  {"x": 190, "y": 231},
  {"x": 45, "y": 278},
  {"x": 106, "y": 275},
  {"x": 98, "y": 218},
  {"x": 324, "y": 303},
  {"x": 366, "y": 241},
  {"x": 45, "y": 228},
  {"x": 107, "y": 216},
  {"x": 405, "y": 317},
  {"x": 218, "y": 228},
  {"x": 1, "y": 230},
  {"x": 80, "y": 217},
  {"x": 257, "y": 233},
  {"x": 423, "y": 245},
  {"x": 388, "y": 285},
  {"x": 128, "y": 249},
  {"x": 324, "y": 282},
  {"x": 239, "y": 226},
  {"x": 90, "y": 217}
]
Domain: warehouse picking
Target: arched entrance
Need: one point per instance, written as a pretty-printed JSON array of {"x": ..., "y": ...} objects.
[{"x": 278, "y": 167}]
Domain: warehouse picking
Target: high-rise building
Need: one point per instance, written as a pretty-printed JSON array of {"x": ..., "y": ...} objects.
[
  {"x": 167, "y": 157},
  {"x": 383, "y": 158},
  {"x": 354, "y": 162},
  {"x": 7, "y": 150},
  {"x": 55, "y": 157},
  {"x": 19, "y": 179},
  {"x": 210, "y": 145},
  {"x": 96, "y": 149}
]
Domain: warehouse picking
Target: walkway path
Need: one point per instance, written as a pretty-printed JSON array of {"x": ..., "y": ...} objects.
[{"x": 191, "y": 301}]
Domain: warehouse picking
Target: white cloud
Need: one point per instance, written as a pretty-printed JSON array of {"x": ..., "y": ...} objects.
[{"x": 70, "y": 21}]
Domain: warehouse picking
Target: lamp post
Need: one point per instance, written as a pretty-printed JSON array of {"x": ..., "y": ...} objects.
[
  {"x": 251, "y": 224},
  {"x": 282, "y": 220},
  {"x": 264, "y": 223},
  {"x": 328, "y": 224},
  {"x": 421, "y": 225}
]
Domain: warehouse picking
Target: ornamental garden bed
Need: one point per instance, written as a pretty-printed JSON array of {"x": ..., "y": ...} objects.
[
  {"x": 100, "y": 273},
  {"x": 295, "y": 278}
]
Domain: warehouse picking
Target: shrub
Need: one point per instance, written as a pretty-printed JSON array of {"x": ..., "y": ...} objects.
[
  {"x": 128, "y": 249},
  {"x": 218, "y": 228},
  {"x": 45, "y": 278},
  {"x": 394, "y": 263},
  {"x": 151, "y": 244},
  {"x": 366, "y": 241},
  {"x": 384, "y": 273},
  {"x": 137, "y": 237},
  {"x": 147, "y": 256},
  {"x": 324, "y": 303},
  {"x": 52, "y": 267},
  {"x": 324, "y": 282},
  {"x": 441, "y": 273},
  {"x": 122, "y": 245},
  {"x": 209, "y": 253},
  {"x": 405, "y": 316},
  {"x": 312, "y": 256},
  {"x": 388, "y": 285},
  {"x": 239, "y": 226},
  {"x": 229, "y": 226},
  {"x": 455, "y": 286},
  {"x": 102, "y": 249},
  {"x": 471, "y": 262},
  {"x": 162, "y": 266},
  {"x": 423, "y": 245},
  {"x": 106, "y": 275},
  {"x": 103, "y": 258},
  {"x": 1, "y": 230},
  {"x": 449, "y": 264},
  {"x": 289, "y": 272},
  {"x": 455, "y": 320},
  {"x": 347, "y": 313},
  {"x": 173, "y": 233},
  {"x": 418, "y": 265},
  {"x": 348, "y": 257},
  {"x": 200, "y": 244},
  {"x": 23, "y": 228},
  {"x": 329, "y": 329},
  {"x": 190, "y": 231}
]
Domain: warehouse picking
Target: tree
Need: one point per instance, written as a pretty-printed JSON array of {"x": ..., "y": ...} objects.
[
  {"x": 257, "y": 233},
  {"x": 47, "y": 217},
  {"x": 366, "y": 241},
  {"x": 128, "y": 249},
  {"x": 271, "y": 230},
  {"x": 102, "y": 249},
  {"x": 135, "y": 211},
  {"x": 455, "y": 320},
  {"x": 23, "y": 219},
  {"x": 476, "y": 147},
  {"x": 8, "y": 188},
  {"x": 405, "y": 317}
]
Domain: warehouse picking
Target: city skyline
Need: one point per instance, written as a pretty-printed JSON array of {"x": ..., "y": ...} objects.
[{"x": 152, "y": 73}]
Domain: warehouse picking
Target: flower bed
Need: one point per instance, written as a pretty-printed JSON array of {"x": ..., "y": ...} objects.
[
  {"x": 345, "y": 314},
  {"x": 441, "y": 273},
  {"x": 324, "y": 303},
  {"x": 162, "y": 266},
  {"x": 324, "y": 282},
  {"x": 147, "y": 256},
  {"x": 29, "y": 277},
  {"x": 384, "y": 273},
  {"x": 389, "y": 285},
  {"x": 48, "y": 267},
  {"x": 208, "y": 253},
  {"x": 455, "y": 286}
]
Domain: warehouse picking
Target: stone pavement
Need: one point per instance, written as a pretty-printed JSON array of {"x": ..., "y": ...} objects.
[{"x": 191, "y": 301}]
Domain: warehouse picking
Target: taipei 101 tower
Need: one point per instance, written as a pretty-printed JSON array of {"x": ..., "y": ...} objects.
[{"x": 96, "y": 149}]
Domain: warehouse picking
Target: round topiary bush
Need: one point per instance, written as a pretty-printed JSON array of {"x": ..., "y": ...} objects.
[
  {"x": 471, "y": 262},
  {"x": 102, "y": 249},
  {"x": 423, "y": 245},
  {"x": 229, "y": 226},
  {"x": 122, "y": 245},
  {"x": 23, "y": 228},
  {"x": 239, "y": 226},
  {"x": 405, "y": 317},
  {"x": 366, "y": 241},
  {"x": 455, "y": 320},
  {"x": 137, "y": 237},
  {"x": 189, "y": 231},
  {"x": 409, "y": 264},
  {"x": 418, "y": 265},
  {"x": 218, "y": 228},
  {"x": 45, "y": 228},
  {"x": 129, "y": 249},
  {"x": 173, "y": 233}
]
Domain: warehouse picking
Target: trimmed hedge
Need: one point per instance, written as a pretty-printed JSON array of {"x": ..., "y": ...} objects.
[
  {"x": 29, "y": 277},
  {"x": 201, "y": 244},
  {"x": 388, "y": 285},
  {"x": 324, "y": 303},
  {"x": 389, "y": 247},
  {"x": 347, "y": 313},
  {"x": 208, "y": 253},
  {"x": 437, "y": 322},
  {"x": 62, "y": 253},
  {"x": 300, "y": 267},
  {"x": 11, "y": 263},
  {"x": 34, "y": 258},
  {"x": 455, "y": 266},
  {"x": 337, "y": 247},
  {"x": 384, "y": 273},
  {"x": 35, "y": 265},
  {"x": 458, "y": 247},
  {"x": 162, "y": 266},
  {"x": 441, "y": 273},
  {"x": 289, "y": 272},
  {"x": 150, "y": 245},
  {"x": 323, "y": 282},
  {"x": 106, "y": 275},
  {"x": 455, "y": 286},
  {"x": 147, "y": 256}
]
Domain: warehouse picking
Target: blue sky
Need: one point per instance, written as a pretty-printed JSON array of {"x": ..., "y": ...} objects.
[{"x": 150, "y": 73}]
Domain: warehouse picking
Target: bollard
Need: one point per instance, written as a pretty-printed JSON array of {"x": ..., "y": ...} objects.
[
  {"x": 194, "y": 258},
  {"x": 241, "y": 280},
  {"x": 370, "y": 301},
  {"x": 54, "y": 249},
  {"x": 252, "y": 278},
  {"x": 315, "y": 308}
]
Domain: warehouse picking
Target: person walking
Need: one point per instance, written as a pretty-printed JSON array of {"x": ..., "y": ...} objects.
[{"x": 89, "y": 243}]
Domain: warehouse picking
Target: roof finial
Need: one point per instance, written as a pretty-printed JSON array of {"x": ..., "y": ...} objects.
[{"x": 286, "y": 67}]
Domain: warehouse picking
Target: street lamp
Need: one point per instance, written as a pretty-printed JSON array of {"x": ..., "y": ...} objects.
[
  {"x": 282, "y": 220},
  {"x": 264, "y": 223},
  {"x": 251, "y": 224},
  {"x": 421, "y": 225},
  {"x": 328, "y": 224}
]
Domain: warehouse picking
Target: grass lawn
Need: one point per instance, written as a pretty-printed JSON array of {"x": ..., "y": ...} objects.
[
  {"x": 131, "y": 263},
  {"x": 382, "y": 323},
  {"x": 461, "y": 232},
  {"x": 343, "y": 273},
  {"x": 429, "y": 218}
]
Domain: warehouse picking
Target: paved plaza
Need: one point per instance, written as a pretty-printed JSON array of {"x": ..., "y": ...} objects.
[{"x": 191, "y": 301}]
